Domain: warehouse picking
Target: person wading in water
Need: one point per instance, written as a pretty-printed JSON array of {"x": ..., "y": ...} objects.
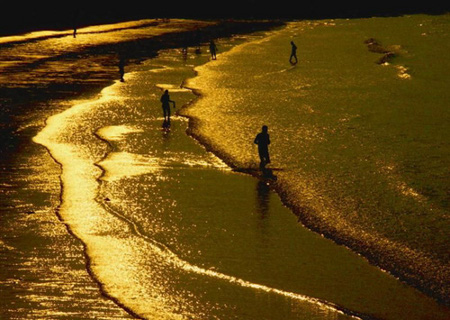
[
  {"x": 263, "y": 140},
  {"x": 165, "y": 100}
]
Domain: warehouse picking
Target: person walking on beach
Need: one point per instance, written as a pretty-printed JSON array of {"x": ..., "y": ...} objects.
[
  {"x": 293, "y": 53},
  {"x": 212, "y": 49},
  {"x": 75, "y": 22},
  {"x": 121, "y": 67},
  {"x": 165, "y": 100},
  {"x": 263, "y": 140}
]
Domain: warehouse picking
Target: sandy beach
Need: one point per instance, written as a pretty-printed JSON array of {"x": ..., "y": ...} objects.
[
  {"x": 115, "y": 216},
  {"x": 43, "y": 272}
]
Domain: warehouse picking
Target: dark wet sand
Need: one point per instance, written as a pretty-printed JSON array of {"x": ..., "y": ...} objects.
[
  {"x": 43, "y": 267},
  {"x": 78, "y": 287}
]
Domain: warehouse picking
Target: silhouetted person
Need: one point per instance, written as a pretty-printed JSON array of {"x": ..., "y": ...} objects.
[
  {"x": 293, "y": 53},
  {"x": 121, "y": 67},
  {"x": 184, "y": 49},
  {"x": 198, "y": 41},
  {"x": 212, "y": 49},
  {"x": 75, "y": 22},
  {"x": 262, "y": 140},
  {"x": 165, "y": 100}
]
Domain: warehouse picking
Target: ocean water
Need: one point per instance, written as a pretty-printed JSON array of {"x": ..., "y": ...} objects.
[
  {"x": 169, "y": 231},
  {"x": 43, "y": 271},
  {"x": 363, "y": 146},
  {"x": 172, "y": 233}
]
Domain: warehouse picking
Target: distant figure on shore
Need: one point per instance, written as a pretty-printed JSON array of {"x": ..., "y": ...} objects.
[
  {"x": 198, "y": 41},
  {"x": 165, "y": 100},
  {"x": 293, "y": 53},
  {"x": 262, "y": 140},
  {"x": 184, "y": 49},
  {"x": 121, "y": 67},
  {"x": 75, "y": 16},
  {"x": 212, "y": 49}
]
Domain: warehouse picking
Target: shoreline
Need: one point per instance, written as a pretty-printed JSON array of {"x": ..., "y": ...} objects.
[
  {"x": 30, "y": 197},
  {"x": 127, "y": 222},
  {"x": 47, "y": 17},
  {"x": 72, "y": 233},
  {"x": 175, "y": 259},
  {"x": 306, "y": 219},
  {"x": 193, "y": 268},
  {"x": 382, "y": 254}
]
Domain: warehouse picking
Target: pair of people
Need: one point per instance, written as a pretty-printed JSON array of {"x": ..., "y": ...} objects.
[{"x": 262, "y": 139}]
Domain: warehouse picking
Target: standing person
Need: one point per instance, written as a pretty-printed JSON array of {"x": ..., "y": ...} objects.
[
  {"x": 121, "y": 67},
  {"x": 212, "y": 49},
  {"x": 198, "y": 41},
  {"x": 165, "y": 100},
  {"x": 263, "y": 140},
  {"x": 293, "y": 53},
  {"x": 75, "y": 22}
]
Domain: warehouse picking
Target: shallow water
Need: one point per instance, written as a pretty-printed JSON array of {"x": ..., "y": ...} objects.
[
  {"x": 43, "y": 266},
  {"x": 168, "y": 230},
  {"x": 363, "y": 147},
  {"x": 171, "y": 232}
]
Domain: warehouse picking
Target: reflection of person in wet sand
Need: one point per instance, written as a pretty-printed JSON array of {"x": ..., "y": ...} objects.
[
  {"x": 263, "y": 192},
  {"x": 212, "y": 49},
  {"x": 293, "y": 54},
  {"x": 262, "y": 140},
  {"x": 165, "y": 100}
]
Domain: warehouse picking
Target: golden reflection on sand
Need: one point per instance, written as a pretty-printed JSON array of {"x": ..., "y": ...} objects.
[
  {"x": 119, "y": 165},
  {"x": 139, "y": 261},
  {"x": 116, "y": 133},
  {"x": 106, "y": 236},
  {"x": 108, "y": 32}
]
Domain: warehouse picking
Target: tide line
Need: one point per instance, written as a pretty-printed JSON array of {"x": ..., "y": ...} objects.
[{"x": 175, "y": 260}]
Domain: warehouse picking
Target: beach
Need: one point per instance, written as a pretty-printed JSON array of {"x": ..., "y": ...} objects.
[
  {"x": 363, "y": 130},
  {"x": 137, "y": 221}
]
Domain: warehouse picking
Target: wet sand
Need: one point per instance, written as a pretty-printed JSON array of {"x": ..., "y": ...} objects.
[
  {"x": 326, "y": 136},
  {"x": 167, "y": 230},
  {"x": 172, "y": 232},
  {"x": 43, "y": 266}
]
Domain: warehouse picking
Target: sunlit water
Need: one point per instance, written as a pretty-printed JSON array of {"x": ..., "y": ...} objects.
[
  {"x": 172, "y": 233},
  {"x": 43, "y": 271},
  {"x": 363, "y": 147}
]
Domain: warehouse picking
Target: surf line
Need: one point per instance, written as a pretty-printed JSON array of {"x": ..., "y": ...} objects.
[
  {"x": 45, "y": 138},
  {"x": 175, "y": 260},
  {"x": 179, "y": 263},
  {"x": 46, "y": 144}
]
